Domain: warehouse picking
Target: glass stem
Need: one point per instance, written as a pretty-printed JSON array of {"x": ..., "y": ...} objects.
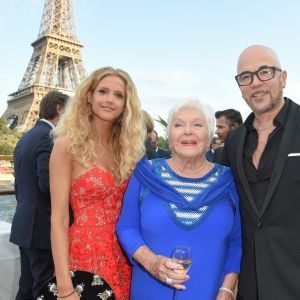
[{"x": 175, "y": 294}]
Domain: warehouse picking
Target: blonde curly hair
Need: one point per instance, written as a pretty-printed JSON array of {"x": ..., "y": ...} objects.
[{"x": 127, "y": 135}]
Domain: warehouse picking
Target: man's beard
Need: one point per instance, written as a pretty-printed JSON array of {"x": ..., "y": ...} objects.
[{"x": 270, "y": 106}]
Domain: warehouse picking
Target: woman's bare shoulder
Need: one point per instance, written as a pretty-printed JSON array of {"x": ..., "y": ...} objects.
[
  {"x": 62, "y": 140},
  {"x": 60, "y": 149}
]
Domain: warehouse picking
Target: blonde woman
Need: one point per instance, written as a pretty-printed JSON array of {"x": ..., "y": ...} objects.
[{"x": 97, "y": 145}]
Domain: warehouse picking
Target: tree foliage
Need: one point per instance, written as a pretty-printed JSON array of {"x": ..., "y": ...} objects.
[
  {"x": 8, "y": 138},
  {"x": 163, "y": 141}
]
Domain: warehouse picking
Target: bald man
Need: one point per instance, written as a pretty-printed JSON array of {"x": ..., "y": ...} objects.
[{"x": 264, "y": 154}]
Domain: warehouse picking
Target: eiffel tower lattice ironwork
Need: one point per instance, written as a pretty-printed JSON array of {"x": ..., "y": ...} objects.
[{"x": 56, "y": 63}]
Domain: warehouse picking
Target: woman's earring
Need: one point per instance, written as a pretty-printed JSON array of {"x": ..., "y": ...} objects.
[
  {"x": 120, "y": 121},
  {"x": 90, "y": 111}
]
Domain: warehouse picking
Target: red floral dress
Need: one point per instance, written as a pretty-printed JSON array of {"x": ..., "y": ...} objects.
[{"x": 96, "y": 202}]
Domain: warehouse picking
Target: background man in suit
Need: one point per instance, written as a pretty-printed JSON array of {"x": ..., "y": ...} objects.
[
  {"x": 264, "y": 154},
  {"x": 31, "y": 223},
  {"x": 226, "y": 120},
  {"x": 160, "y": 153},
  {"x": 214, "y": 145}
]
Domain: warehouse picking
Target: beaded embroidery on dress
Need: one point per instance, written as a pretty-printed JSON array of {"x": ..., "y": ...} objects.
[
  {"x": 187, "y": 200},
  {"x": 93, "y": 246}
]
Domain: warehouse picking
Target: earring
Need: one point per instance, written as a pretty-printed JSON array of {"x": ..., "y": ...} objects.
[
  {"x": 90, "y": 111},
  {"x": 119, "y": 121}
]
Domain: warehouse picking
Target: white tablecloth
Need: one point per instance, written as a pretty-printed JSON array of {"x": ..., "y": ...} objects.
[{"x": 9, "y": 264}]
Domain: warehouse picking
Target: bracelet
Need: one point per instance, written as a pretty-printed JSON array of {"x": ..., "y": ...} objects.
[
  {"x": 224, "y": 289},
  {"x": 65, "y": 296}
]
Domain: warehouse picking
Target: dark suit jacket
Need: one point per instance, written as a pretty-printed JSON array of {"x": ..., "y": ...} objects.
[
  {"x": 218, "y": 155},
  {"x": 150, "y": 152},
  {"x": 214, "y": 156},
  {"x": 210, "y": 155},
  {"x": 162, "y": 153},
  {"x": 271, "y": 236},
  {"x": 31, "y": 222}
]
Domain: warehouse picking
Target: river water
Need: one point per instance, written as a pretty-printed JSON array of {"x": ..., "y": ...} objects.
[{"x": 7, "y": 205}]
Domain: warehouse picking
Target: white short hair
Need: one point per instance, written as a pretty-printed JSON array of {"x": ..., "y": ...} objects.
[{"x": 200, "y": 106}]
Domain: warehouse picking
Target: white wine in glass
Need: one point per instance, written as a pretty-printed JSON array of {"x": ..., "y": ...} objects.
[
  {"x": 186, "y": 263},
  {"x": 182, "y": 255}
]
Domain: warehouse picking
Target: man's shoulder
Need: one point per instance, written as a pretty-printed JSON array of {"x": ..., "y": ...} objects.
[
  {"x": 163, "y": 150},
  {"x": 218, "y": 153},
  {"x": 40, "y": 128},
  {"x": 42, "y": 125},
  {"x": 293, "y": 104},
  {"x": 163, "y": 153},
  {"x": 291, "y": 101},
  {"x": 236, "y": 132},
  {"x": 38, "y": 134},
  {"x": 219, "y": 149}
]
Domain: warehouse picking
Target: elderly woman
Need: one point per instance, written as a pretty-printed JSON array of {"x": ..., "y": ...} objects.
[{"x": 184, "y": 200}]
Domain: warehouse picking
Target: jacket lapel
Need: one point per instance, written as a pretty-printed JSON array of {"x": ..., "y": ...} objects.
[
  {"x": 284, "y": 147},
  {"x": 241, "y": 170}
]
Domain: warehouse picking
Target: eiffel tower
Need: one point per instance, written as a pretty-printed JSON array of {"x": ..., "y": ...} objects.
[{"x": 56, "y": 63}]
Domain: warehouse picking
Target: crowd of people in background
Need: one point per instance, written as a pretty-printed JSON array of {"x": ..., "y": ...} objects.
[{"x": 96, "y": 192}]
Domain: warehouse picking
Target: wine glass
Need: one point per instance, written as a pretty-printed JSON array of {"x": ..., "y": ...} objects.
[{"x": 182, "y": 255}]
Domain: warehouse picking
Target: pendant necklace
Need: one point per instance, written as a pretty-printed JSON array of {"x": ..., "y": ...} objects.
[{"x": 263, "y": 128}]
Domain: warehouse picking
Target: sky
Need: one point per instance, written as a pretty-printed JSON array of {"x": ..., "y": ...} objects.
[{"x": 173, "y": 50}]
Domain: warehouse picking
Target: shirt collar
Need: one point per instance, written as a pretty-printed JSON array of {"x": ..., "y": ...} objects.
[{"x": 48, "y": 122}]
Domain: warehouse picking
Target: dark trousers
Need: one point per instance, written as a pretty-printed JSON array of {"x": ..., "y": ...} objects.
[{"x": 36, "y": 268}]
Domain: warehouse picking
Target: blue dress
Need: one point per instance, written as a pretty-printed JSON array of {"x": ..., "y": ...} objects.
[{"x": 148, "y": 218}]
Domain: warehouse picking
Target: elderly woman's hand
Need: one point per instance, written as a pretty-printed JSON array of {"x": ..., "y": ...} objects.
[
  {"x": 161, "y": 267},
  {"x": 167, "y": 271}
]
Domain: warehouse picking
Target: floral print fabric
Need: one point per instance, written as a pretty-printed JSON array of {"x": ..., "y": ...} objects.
[{"x": 93, "y": 246}]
